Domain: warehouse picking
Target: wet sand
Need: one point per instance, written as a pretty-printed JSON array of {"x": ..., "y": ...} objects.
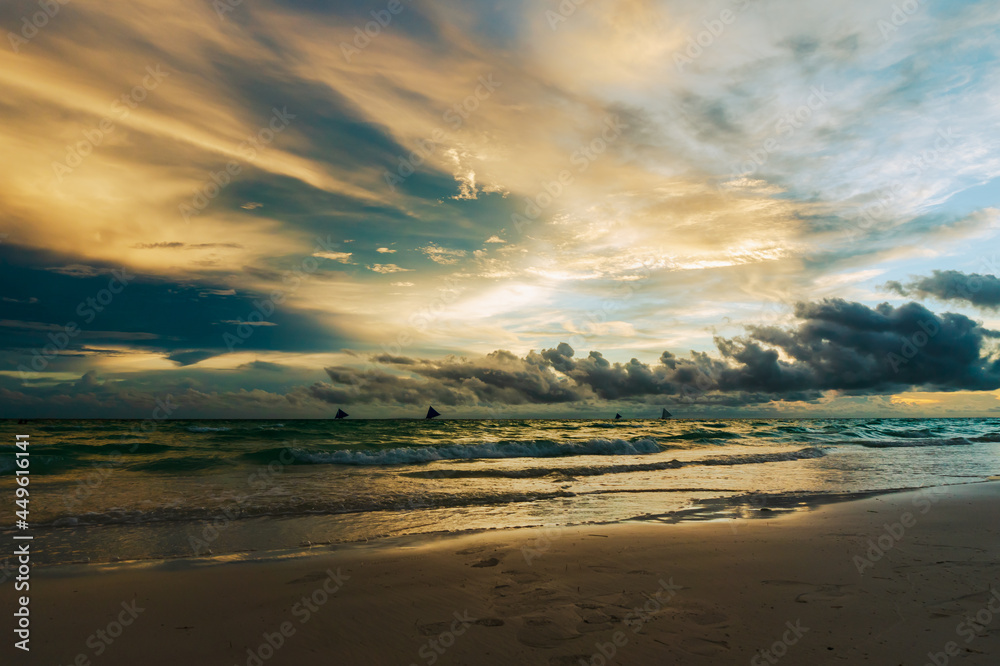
[{"x": 905, "y": 578}]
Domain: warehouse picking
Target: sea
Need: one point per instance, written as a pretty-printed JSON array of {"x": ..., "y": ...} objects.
[{"x": 106, "y": 491}]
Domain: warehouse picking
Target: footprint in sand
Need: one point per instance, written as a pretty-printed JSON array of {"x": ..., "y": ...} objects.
[
  {"x": 492, "y": 562},
  {"x": 433, "y": 628},
  {"x": 702, "y": 616},
  {"x": 437, "y": 628},
  {"x": 592, "y": 619},
  {"x": 522, "y": 577},
  {"x": 704, "y": 647},
  {"x": 541, "y": 631},
  {"x": 824, "y": 593},
  {"x": 476, "y": 550},
  {"x": 309, "y": 578},
  {"x": 570, "y": 659},
  {"x": 815, "y": 593}
]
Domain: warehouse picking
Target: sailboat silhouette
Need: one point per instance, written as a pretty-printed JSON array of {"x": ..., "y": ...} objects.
[
  {"x": 666, "y": 414},
  {"x": 341, "y": 414},
  {"x": 617, "y": 416},
  {"x": 431, "y": 413}
]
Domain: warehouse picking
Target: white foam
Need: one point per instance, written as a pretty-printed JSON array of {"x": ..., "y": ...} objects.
[{"x": 528, "y": 449}]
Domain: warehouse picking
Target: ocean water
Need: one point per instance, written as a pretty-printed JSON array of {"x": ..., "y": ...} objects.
[{"x": 106, "y": 491}]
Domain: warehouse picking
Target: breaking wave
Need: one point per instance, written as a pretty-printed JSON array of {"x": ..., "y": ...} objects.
[
  {"x": 598, "y": 470},
  {"x": 526, "y": 449},
  {"x": 908, "y": 443}
]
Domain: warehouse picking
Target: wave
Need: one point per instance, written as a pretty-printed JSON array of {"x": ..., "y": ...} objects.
[
  {"x": 207, "y": 429},
  {"x": 526, "y": 449},
  {"x": 131, "y": 447},
  {"x": 704, "y": 434},
  {"x": 599, "y": 470},
  {"x": 903, "y": 433},
  {"x": 234, "y": 511},
  {"x": 754, "y": 458},
  {"x": 188, "y": 464},
  {"x": 538, "y": 472},
  {"x": 909, "y": 443},
  {"x": 40, "y": 464}
]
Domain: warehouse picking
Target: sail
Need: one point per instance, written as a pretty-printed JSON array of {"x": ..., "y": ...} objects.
[
  {"x": 666, "y": 414},
  {"x": 617, "y": 416},
  {"x": 341, "y": 414},
  {"x": 431, "y": 412}
]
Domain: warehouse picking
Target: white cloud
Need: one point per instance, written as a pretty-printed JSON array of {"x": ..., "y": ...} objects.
[
  {"x": 388, "y": 268},
  {"x": 342, "y": 257},
  {"x": 385, "y": 250},
  {"x": 442, "y": 255},
  {"x": 237, "y": 322}
]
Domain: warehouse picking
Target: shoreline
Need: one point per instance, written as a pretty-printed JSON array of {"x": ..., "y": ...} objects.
[
  {"x": 718, "y": 509},
  {"x": 715, "y": 592}
]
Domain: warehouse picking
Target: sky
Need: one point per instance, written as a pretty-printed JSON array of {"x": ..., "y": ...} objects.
[{"x": 275, "y": 209}]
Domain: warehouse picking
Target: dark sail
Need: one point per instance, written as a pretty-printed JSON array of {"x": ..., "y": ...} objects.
[
  {"x": 341, "y": 414},
  {"x": 666, "y": 414},
  {"x": 617, "y": 416},
  {"x": 431, "y": 413}
]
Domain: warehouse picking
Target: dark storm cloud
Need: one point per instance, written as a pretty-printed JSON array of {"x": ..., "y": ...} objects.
[
  {"x": 850, "y": 347},
  {"x": 838, "y": 346},
  {"x": 499, "y": 377},
  {"x": 184, "y": 322},
  {"x": 982, "y": 291},
  {"x": 191, "y": 357},
  {"x": 259, "y": 388}
]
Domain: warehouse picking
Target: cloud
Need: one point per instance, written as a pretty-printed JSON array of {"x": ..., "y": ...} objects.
[
  {"x": 191, "y": 357},
  {"x": 385, "y": 250},
  {"x": 442, "y": 255},
  {"x": 848, "y": 346},
  {"x": 695, "y": 185},
  {"x": 76, "y": 270},
  {"x": 342, "y": 257},
  {"x": 388, "y": 268},
  {"x": 239, "y": 322},
  {"x": 175, "y": 245},
  {"x": 838, "y": 346},
  {"x": 401, "y": 284},
  {"x": 497, "y": 377},
  {"x": 982, "y": 291}
]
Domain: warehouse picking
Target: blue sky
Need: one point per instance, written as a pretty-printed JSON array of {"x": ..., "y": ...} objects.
[{"x": 467, "y": 185}]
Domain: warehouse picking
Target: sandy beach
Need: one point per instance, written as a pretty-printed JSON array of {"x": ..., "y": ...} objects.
[{"x": 905, "y": 578}]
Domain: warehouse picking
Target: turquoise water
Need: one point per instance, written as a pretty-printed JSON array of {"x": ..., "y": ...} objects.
[{"x": 123, "y": 490}]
